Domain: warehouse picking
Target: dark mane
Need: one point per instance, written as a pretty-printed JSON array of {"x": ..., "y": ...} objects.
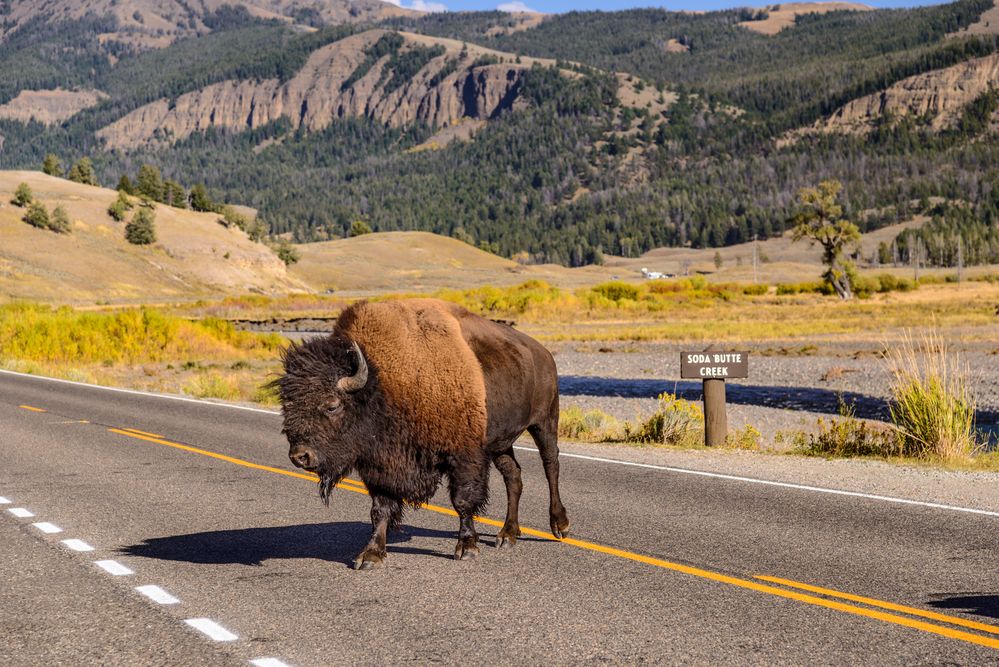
[{"x": 321, "y": 359}]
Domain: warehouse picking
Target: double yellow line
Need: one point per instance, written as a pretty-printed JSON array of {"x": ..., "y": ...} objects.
[
  {"x": 751, "y": 584},
  {"x": 784, "y": 588}
]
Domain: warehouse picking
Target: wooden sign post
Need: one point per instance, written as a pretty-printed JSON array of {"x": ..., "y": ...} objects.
[{"x": 713, "y": 367}]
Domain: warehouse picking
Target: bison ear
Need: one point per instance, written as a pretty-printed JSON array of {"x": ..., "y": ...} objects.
[{"x": 356, "y": 381}]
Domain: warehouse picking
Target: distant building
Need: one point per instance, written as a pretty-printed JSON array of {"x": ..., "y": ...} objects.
[{"x": 655, "y": 275}]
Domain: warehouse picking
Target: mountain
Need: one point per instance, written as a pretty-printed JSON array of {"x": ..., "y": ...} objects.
[
  {"x": 550, "y": 138},
  {"x": 157, "y": 23}
]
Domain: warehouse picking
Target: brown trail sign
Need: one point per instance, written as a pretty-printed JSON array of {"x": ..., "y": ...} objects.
[{"x": 713, "y": 367}]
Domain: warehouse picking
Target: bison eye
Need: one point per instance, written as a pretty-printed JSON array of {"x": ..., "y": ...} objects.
[{"x": 330, "y": 409}]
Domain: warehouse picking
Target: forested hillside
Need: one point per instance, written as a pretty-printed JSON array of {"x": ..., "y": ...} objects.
[{"x": 702, "y": 145}]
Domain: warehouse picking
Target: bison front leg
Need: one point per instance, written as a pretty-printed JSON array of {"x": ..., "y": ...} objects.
[
  {"x": 385, "y": 512},
  {"x": 469, "y": 485}
]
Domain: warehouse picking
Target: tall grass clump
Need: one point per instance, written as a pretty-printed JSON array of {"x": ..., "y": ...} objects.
[
  {"x": 588, "y": 425},
  {"x": 847, "y": 437},
  {"x": 930, "y": 404},
  {"x": 675, "y": 422}
]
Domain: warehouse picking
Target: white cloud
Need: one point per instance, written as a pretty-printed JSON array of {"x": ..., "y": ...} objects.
[
  {"x": 420, "y": 5},
  {"x": 514, "y": 7}
]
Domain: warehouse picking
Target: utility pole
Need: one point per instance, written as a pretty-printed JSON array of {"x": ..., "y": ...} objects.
[
  {"x": 960, "y": 257},
  {"x": 755, "y": 259}
]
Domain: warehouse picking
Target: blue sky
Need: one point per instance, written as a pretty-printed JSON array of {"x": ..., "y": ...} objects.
[{"x": 554, "y": 6}]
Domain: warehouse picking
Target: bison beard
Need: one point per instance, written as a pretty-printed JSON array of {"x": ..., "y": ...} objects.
[
  {"x": 408, "y": 392},
  {"x": 327, "y": 482}
]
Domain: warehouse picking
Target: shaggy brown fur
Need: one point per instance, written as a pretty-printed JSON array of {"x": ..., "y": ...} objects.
[{"x": 428, "y": 372}]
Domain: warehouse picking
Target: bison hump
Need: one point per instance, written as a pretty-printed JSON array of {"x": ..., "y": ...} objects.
[{"x": 426, "y": 370}]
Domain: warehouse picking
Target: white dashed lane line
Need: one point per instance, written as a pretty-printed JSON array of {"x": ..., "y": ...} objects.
[
  {"x": 205, "y": 626},
  {"x": 113, "y": 567},
  {"x": 77, "y": 545},
  {"x": 212, "y": 629},
  {"x": 47, "y": 528},
  {"x": 157, "y": 594}
]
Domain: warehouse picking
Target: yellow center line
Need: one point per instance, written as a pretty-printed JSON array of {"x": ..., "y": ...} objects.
[
  {"x": 28, "y": 407},
  {"x": 984, "y": 627},
  {"x": 151, "y": 435},
  {"x": 357, "y": 487}
]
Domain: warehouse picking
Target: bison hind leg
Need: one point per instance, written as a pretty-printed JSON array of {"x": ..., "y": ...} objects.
[
  {"x": 468, "y": 481},
  {"x": 507, "y": 464},
  {"x": 546, "y": 438}
]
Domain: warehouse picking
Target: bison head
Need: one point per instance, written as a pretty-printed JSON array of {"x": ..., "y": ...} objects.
[{"x": 324, "y": 391}]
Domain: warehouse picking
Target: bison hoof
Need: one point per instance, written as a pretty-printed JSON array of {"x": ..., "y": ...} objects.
[
  {"x": 507, "y": 537},
  {"x": 560, "y": 526},
  {"x": 467, "y": 549},
  {"x": 368, "y": 560}
]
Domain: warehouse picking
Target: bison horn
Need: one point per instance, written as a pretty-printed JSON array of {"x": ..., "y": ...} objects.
[{"x": 356, "y": 381}]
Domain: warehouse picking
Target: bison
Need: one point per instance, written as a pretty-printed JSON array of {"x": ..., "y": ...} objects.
[{"x": 408, "y": 392}]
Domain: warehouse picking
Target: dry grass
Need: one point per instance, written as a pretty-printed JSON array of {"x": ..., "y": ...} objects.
[
  {"x": 930, "y": 404},
  {"x": 139, "y": 348},
  {"x": 193, "y": 257},
  {"x": 675, "y": 422}
]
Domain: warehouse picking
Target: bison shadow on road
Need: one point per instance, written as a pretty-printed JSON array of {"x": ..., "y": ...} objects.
[
  {"x": 809, "y": 399},
  {"x": 337, "y": 542},
  {"x": 972, "y": 603}
]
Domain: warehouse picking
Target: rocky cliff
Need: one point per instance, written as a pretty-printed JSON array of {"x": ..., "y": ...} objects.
[
  {"x": 448, "y": 88},
  {"x": 940, "y": 96}
]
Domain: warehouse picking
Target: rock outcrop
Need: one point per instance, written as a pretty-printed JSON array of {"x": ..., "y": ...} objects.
[
  {"x": 49, "y": 106},
  {"x": 320, "y": 93},
  {"x": 940, "y": 96}
]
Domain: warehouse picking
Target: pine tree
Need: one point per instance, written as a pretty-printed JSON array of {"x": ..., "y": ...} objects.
[
  {"x": 359, "y": 227},
  {"x": 119, "y": 207},
  {"x": 142, "y": 228},
  {"x": 22, "y": 196},
  {"x": 59, "y": 221},
  {"x": 83, "y": 172},
  {"x": 200, "y": 201},
  {"x": 233, "y": 218},
  {"x": 37, "y": 216},
  {"x": 52, "y": 165},
  {"x": 125, "y": 185},
  {"x": 175, "y": 195},
  {"x": 287, "y": 253},
  {"x": 149, "y": 182}
]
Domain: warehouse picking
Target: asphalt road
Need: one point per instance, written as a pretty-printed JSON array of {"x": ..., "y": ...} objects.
[{"x": 662, "y": 568}]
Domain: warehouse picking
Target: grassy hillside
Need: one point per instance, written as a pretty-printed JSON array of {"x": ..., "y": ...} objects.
[
  {"x": 422, "y": 262},
  {"x": 194, "y": 256}
]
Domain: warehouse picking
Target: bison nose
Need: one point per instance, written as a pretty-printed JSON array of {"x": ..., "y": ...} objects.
[{"x": 303, "y": 458}]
